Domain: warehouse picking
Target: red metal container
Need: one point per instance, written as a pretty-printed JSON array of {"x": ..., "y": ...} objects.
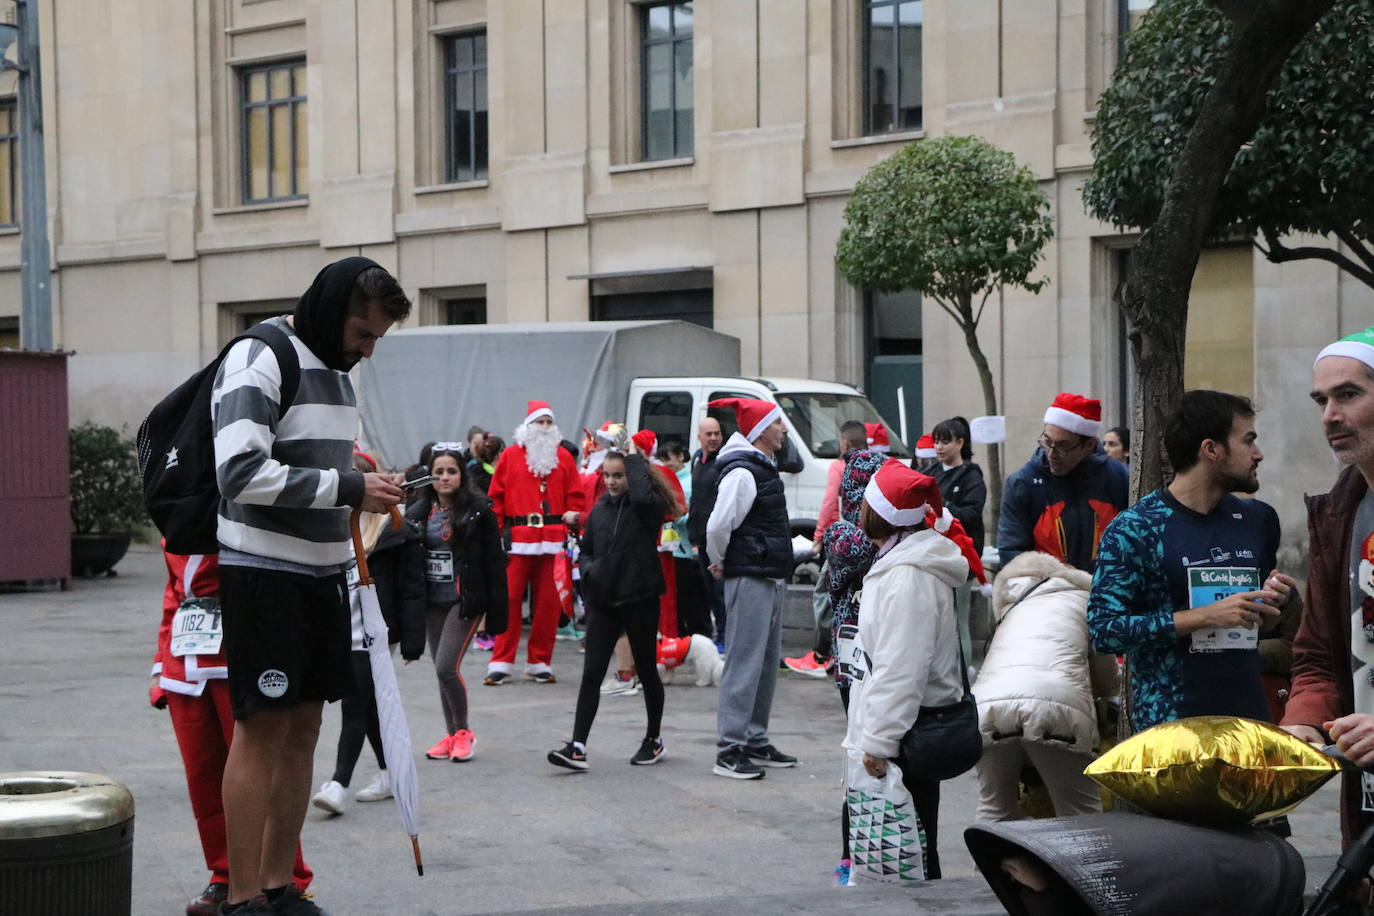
[{"x": 35, "y": 515}]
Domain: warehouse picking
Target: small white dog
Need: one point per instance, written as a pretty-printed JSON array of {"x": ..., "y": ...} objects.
[{"x": 702, "y": 661}]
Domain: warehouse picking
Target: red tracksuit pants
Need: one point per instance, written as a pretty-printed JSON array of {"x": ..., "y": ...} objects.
[
  {"x": 204, "y": 727},
  {"x": 535, "y": 571}
]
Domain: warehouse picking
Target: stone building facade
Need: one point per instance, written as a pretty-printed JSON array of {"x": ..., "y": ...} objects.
[{"x": 566, "y": 160}]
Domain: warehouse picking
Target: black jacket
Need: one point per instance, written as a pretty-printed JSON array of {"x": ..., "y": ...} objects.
[
  {"x": 620, "y": 544},
  {"x": 704, "y": 480},
  {"x": 964, "y": 493},
  {"x": 762, "y": 544},
  {"x": 480, "y": 560},
  {"x": 397, "y": 565}
]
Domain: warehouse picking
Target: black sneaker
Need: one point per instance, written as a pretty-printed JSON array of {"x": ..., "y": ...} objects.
[
  {"x": 256, "y": 906},
  {"x": 496, "y": 678},
  {"x": 295, "y": 903},
  {"x": 735, "y": 764},
  {"x": 541, "y": 677},
  {"x": 569, "y": 756},
  {"x": 650, "y": 752},
  {"x": 769, "y": 756}
]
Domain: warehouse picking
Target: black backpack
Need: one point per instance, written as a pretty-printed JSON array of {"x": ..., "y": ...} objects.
[{"x": 176, "y": 449}]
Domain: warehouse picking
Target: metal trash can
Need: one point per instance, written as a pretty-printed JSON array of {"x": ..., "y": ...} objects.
[{"x": 66, "y": 844}]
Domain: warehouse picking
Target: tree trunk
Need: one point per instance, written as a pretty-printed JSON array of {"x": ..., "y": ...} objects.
[
  {"x": 980, "y": 361},
  {"x": 1162, "y": 265}
]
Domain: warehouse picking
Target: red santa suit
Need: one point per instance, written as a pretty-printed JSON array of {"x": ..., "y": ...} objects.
[
  {"x": 529, "y": 506},
  {"x": 195, "y": 690}
]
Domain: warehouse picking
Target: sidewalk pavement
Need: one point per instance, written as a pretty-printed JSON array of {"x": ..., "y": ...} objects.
[{"x": 506, "y": 832}]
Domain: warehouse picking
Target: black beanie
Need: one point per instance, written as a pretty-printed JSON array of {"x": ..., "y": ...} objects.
[{"x": 321, "y": 311}]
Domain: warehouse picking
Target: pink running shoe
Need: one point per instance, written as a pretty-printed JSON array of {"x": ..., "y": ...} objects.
[
  {"x": 806, "y": 665},
  {"x": 484, "y": 642},
  {"x": 442, "y": 750},
  {"x": 461, "y": 748}
]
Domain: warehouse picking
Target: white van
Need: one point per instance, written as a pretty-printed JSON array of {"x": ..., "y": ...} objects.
[{"x": 813, "y": 411}]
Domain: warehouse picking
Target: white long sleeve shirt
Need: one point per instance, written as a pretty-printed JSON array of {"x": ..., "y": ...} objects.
[{"x": 735, "y": 494}]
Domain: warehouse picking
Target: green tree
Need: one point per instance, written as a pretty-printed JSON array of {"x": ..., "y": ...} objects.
[
  {"x": 1226, "y": 118},
  {"x": 954, "y": 218}
]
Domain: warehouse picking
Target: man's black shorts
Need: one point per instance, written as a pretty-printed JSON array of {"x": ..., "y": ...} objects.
[{"x": 287, "y": 638}]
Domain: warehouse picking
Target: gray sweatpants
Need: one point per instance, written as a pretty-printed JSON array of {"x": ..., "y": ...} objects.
[{"x": 753, "y": 646}]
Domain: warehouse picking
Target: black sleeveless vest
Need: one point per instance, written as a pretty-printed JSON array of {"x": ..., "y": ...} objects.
[{"x": 762, "y": 544}]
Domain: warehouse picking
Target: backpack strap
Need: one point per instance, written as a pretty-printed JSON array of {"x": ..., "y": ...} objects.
[{"x": 287, "y": 360}]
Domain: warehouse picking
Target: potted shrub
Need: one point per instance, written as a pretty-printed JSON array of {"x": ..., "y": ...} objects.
[{"x": 107, "y": 498}]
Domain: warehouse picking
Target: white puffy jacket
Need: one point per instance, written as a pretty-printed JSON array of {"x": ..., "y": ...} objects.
[{"x": 1035, "y": 684}]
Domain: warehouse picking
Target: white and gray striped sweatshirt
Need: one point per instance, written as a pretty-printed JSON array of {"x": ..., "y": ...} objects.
[{"x": 285, "y": 482}]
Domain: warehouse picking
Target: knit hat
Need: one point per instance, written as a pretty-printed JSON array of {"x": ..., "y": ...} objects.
[
  {"x": 877, "y": 438},
  {"x": 537, "y": 409},
  {"x": 645, "y": 440},
  {"x": 751, "y": 415},
  {"x": 925, "y": 447},
  {"x": 902, "y": 496},
  {"x": 1075, "y": 413},
  {"x": 1359, "y": 345}
]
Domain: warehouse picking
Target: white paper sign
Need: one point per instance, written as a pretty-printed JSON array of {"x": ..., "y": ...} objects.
[{"x": 988, "y": 430}]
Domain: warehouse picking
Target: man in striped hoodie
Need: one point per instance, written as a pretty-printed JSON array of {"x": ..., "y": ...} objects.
[{"x": 287, "y": 485}]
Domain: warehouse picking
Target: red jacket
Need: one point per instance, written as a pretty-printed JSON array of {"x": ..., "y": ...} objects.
[
  {"x": 187, "y": 577},
  {"x": 516, "y": 491},
  {"x": 1323, "y": 684}
]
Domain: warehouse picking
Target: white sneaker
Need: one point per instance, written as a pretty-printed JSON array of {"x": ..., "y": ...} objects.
[
  {"x": 615, "y": 687},
  {"x": 379, "y": 789},
  {"x": 331, "y": 798}
]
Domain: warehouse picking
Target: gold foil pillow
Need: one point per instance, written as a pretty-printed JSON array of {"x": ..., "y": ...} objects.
[{"x": 1219, "y": 771}]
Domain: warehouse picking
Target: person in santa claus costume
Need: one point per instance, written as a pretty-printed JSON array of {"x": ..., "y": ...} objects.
[
  {"x": 189, "y": 681},
  {"x": 535, "y": 492}
]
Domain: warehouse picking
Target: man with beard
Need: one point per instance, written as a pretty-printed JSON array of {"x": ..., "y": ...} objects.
[
  {"x": 286, "y": 482},
  {"x": 534, "y": 490},
  {"x": 1186, "y": 576}
]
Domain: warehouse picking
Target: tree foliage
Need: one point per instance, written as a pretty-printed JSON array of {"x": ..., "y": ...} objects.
[
  {"x": 1303, "y": 171},
  {"x": 953, "y": 218},
  {"x": 106, "y": 488}
]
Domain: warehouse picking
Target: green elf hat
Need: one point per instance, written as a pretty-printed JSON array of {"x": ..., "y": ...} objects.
[{"x": 1359, "y": 345}]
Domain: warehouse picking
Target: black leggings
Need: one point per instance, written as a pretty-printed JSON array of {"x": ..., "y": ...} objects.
[
  {"x": 925, "y": 798},
  {"x": 359, "y": 718},
  {"x": 639, "y": 621}
]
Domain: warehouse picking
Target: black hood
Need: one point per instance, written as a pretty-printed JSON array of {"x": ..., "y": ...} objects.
[{"x": 321, "y": 311}]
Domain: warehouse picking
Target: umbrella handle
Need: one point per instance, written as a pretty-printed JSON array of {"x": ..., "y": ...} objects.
[
  {"x": 355, "y": 526},
  {"x": 419, "y": 863}
]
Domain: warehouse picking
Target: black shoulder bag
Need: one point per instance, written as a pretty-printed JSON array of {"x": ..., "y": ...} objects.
[{"x": 945, "y": 742}]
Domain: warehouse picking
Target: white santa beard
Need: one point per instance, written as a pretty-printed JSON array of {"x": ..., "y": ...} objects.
[{"x": 541, "y": 447}]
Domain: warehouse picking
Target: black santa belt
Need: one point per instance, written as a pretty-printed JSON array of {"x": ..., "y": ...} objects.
[{"x": 533, "y": 521}]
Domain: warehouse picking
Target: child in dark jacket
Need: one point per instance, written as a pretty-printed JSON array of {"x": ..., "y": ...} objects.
[{"x": 622, "y": 581}]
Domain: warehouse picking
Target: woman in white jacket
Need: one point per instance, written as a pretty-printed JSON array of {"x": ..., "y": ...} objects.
[
  {"x": 1035, "y": 691},
  {"x": 906, "y": 650}
]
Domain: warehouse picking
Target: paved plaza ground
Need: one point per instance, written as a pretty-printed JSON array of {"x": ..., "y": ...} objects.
[{"x": 506, "y": 832}]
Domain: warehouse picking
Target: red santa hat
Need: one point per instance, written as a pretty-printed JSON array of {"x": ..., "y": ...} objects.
[
  {"x": 536, "y": 409},
  {"x": 902, "y": 496},
  {"x": 925, "y": 446},
  {"x": 877, "y": 438},
  {"x": 645, "y": 440},
  {"x": 1075, "y": 413},
  {"x": 952, "y": 528},
  {"x": 751, "y": 415}
]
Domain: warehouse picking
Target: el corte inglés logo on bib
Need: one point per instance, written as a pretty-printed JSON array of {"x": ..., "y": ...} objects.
[{"x": 272, "y": 683}]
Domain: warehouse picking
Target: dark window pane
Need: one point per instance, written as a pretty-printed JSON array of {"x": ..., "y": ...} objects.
[
  {"x": 479, "y": 43},
  {"x": 892, "y": 59},
  {"x": 462, "y": 53},
  {"x": 682, "y": 20},
  {"x": 465, "y": 311},
  {"x": 684, "y": 107},
  {"x": 909, "y": 62},
  {"x": 479, "y": 144}
]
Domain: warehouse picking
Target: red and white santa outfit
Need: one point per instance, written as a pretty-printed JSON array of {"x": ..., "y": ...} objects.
[
  {"x": 195, "y": 690},
  {"x": 647, "y": 442},
  {"x": 529, "y": 504}
]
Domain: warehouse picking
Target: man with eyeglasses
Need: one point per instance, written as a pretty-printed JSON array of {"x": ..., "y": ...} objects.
[{"x": 1062, "y": 500}]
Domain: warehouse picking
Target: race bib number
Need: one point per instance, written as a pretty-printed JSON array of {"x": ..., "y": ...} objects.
[
  {"x": 353, "y": 577},
  {"x": 849, "y": 655},
  {"x": 439, "y": 566},
  {"x": 1209, "y": 585},
  {"x": 196, "y": 627}
]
